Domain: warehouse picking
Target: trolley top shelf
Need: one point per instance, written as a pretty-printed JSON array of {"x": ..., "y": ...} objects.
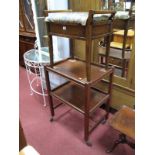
[{"x": 75, "y": 70}]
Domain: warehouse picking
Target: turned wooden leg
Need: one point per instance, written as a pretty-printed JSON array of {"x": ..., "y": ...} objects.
[{"x": 107, "y": 109}]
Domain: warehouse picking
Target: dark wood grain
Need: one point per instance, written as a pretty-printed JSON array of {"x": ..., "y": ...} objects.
[
  {"x": 74, "y": 95},
  {"x": 75, "y": 70}
]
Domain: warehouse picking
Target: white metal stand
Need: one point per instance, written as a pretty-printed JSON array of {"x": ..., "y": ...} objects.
[{"x": 34, "y": 62}]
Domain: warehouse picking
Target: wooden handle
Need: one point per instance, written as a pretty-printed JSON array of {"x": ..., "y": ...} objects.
[{"x": 55, "y": 11}]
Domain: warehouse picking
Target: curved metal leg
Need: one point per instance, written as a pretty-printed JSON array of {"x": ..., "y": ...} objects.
[
  {"x": 42, "y": 88},
  {"x": 36, "y": 74},
  {"x": 28, "y": 72}
]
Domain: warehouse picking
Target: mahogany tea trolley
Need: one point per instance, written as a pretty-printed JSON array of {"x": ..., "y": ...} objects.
[{"x": 80, "y": 91}]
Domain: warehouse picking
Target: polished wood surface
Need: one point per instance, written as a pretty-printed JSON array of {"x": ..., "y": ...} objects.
[
  {"x": 75, "y": 70},
  {"x": 124, "y": 121},
  {"x": 74, "y": 95}
]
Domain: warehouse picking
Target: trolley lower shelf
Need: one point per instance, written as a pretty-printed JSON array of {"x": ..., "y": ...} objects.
[{"x": 74, "y": 95}]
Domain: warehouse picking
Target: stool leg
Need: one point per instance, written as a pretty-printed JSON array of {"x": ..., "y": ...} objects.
[
  {"x": 122, "y": 139},
  {"x": 132, "y": 145}
]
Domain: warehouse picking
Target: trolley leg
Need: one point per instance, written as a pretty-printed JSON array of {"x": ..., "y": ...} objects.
[
  {"x": 86, "y": 116},
  {"x": 48, "y": 91},
  {"x": 86, "y": 130}
]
